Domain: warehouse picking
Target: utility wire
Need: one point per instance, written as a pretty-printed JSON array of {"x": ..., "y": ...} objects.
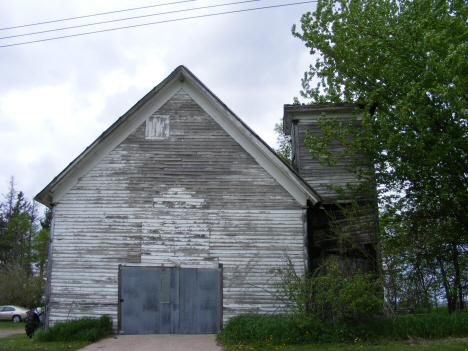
[
  {"x": 165, "y": 21},
  {"x": 97, "y": 14},
  {"x": 127, "y": 19}
]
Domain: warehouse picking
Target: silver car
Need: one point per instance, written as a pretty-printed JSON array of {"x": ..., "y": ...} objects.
[{"x": 13, "y": 313}]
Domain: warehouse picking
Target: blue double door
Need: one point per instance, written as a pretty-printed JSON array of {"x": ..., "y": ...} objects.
[{"x": 158, "y": 300}]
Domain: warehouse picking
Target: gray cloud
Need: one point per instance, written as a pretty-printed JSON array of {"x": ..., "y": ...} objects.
[{"x": 56, "y": 97}]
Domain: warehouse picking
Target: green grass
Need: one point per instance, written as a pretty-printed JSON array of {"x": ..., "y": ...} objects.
[
  {"x": 428, "y": 326},
  {"x": 281, "y": 331},
  {"x": 83, "y": 329},
  {"x": 438, "y": 310},
  {"x": 10, "y": 324},
  {"x": 70, "y": 335},
  {"x": 255, "y": 328},
  {"x": 21, "y": 342},
  {"x": 421, "y": 345}
]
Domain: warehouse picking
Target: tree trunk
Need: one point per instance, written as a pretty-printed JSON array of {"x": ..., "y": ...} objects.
[
  {"x": 451, "y": 301},
  {"x": 457, "y": 281}
]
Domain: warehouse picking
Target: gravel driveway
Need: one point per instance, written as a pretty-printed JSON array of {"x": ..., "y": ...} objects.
[
  {"x": 160, "y": 342},
  {"x": 4, "y": 332}
]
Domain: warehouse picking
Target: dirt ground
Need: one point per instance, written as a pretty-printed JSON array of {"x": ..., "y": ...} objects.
[
  {"x": 161, "y": 342},
  {"x": 11, "y": 331}
]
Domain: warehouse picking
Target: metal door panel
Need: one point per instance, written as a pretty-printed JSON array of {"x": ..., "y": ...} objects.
[
  {"x": 208, "y": 301},
  {"x": 130, "y": 300},
  {"x": 165, "y": 302},
  {"x": 175, "y": 298},
  {"x": 158, "y": 300},
  {"x": 150, "y": 291},
  {"x": 188, "y": 301}
]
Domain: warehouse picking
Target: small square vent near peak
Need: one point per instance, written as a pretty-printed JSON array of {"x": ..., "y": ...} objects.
[{"x": 157, "y": 127}]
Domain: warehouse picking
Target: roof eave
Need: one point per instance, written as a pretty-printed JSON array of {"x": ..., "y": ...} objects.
[{"x": 291, "y": 112}]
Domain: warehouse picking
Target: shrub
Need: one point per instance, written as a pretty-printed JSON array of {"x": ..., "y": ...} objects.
[
  {"x": 335, "y": 295},
  {"x": 83, "y": 329},
  {"x": 250, "y": 329},
  {"x": 427, "y": 326}
]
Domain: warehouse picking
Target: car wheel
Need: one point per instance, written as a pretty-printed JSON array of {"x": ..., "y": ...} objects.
[{"x": 16, "y": 319}]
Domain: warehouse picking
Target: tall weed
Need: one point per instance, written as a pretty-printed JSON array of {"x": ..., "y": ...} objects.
[
  {"x": 427, "y": 326},
  {"x": 258, "y": 327},
  {"x": 281, "y": 329},
  {"x": 83, "y": 329}
]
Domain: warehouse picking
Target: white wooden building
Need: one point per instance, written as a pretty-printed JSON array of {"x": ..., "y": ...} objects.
[{"x": 171, "y": 219}]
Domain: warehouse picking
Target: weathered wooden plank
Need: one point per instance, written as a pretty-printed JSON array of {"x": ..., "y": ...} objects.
[
  {"x": 316, "y": 175},
  {"x": 195, "y": 199}
]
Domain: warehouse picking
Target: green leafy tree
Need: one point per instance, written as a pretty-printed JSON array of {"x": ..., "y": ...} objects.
[
  {"x": 16, "y": 239},
  {"x": 23, "y": 249},
  {"x": 19, "y": 287},
  {"x": 40, "y": 251},
  {"x": 41, "y": 244},
  {"x": 420, "y": 246},
  {"x": 18, "y": 228},
  {"x": 406, "y": 64},
  {"x": 47, "y": 220},
  {"x": 284, "y": 143}
]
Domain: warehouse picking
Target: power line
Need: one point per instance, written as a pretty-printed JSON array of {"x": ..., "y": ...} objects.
[
  {"x": 165, "y": 21},
  {"x": 97, "y": 14},
  {"x": 128, "y": 18}
]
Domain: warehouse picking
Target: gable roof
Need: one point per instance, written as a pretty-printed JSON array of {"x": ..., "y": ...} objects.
[{"x": 180, "y": 78}]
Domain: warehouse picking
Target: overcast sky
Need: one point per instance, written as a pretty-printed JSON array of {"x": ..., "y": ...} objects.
[{"x": 57, "y": 97}]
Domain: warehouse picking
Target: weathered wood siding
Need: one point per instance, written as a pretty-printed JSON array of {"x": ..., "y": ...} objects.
[
  {"x": 316, "y": 175},
  {"x": 195, "y": 198},
  {"x": 331, "y": 232}
]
